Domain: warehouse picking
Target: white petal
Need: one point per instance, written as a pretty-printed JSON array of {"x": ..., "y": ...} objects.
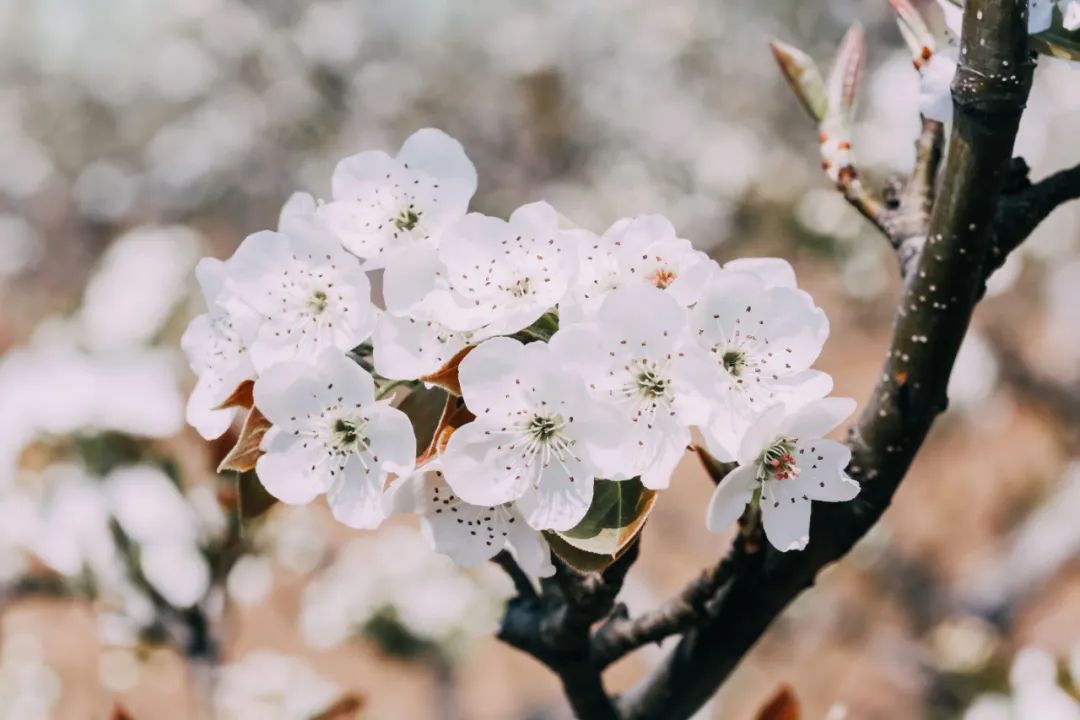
[
  {"x": 476, "y": 464},
  {"x": 355, "y": 495},
  {"x": 391, "y": 438},
  {"x": 800, "y": 389},
  {"x": 530, "y": 548},
  {"x": 300, "y": 207},
  {"x": 488, "y": 374},
  {"x": 761, "y": 433},
  {"x": 785, "y": 513},
  {"x": 730, "y": 497},
  {"x": 773, "y": 272},
  {"x": 411, "y": 277},
  {"x": 344, "y": 378},
  {"x": 200, "y": 413},
  {"x": 288, "y": 393},
  {"x": 289, "y": 471},
  {"x": 561, "y": 498},
  {"x": 470, "y": 534},
  {"x": 821, "y": 470},
  {"x": 819, "y": 418},
  {"x": 211, "y": 273},
  {"x": 641, "y": 316},
  {"x": 441, "y": 156},
  {"x": 408, "y": 348}
]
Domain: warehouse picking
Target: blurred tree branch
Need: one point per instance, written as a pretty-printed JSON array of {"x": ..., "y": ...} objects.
[{"x": 949, "y": 226}]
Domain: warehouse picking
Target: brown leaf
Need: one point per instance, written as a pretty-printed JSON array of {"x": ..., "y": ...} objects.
[
  {"x": 446, "y": 377},
  {"x": 344, "y": 709},
  {"x": 246, "y": 451},
  {"x": 454, "y": 415},
  {"x": 242, "y": 397},
  {"x": 781, "y": 706}
]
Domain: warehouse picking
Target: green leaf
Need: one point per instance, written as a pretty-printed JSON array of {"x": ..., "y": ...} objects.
[
  {"x": 617, "y": 514},
  {"x": 424, "y": 407}
]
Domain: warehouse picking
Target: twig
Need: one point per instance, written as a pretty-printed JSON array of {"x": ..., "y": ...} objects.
[{"x": 522, "y": 584}]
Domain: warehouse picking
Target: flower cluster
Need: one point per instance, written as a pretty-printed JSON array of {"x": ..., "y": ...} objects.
[{"x": 578, "y": 357}]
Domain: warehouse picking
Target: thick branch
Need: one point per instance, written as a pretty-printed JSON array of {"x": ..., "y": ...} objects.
[{"x": 989, "y": 92}]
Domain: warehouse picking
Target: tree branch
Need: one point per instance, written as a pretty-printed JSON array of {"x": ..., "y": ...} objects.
[
  {"x": 989, "y": 92},
  {"x": 1021, "y": 212},
  {"x": 621, "y": 635},
  {"x": 554, "y": 626}
]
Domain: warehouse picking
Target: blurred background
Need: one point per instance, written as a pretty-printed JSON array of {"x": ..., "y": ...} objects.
[{"x": 137, "y": 136}]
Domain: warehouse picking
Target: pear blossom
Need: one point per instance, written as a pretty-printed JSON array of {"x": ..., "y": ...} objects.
[
  {"x": 502, "y": 275},
  {"x": 384, "y": 205},
  {"x": 638, "y": 355},
  {"x": 763, "y": 340},
  {"x": 471, "y": 534},
  {"x": 785, "y": 459},
  {"x": 643, "y": 250},
  {"x": 330, "y": 436},
  {"x": 538, "y": 438},
  {"x": 310, "y": 294},
  {"x": 216, "y": 345}
]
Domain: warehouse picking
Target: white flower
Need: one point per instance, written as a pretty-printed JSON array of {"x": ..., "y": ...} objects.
[
  {"x": 384, "y": 205},
  {"x": 773, "y": 272},
  {"x": 643, "y": 250},
  {"x": 1040, "y": 15},
  {"x": 784, "y": 457},
  {"x": 268, "y": 685},
  {"x": 502, "y": 275},
  {"x": 330, "y": 435},
  {"x": 935, "y": 85},
  {"x": 216, "y": 345},
  {"x": 637, "y": 354},
  {"x": 471, "y": 534},
  {"x": 538, "y": 437},
  {"x": 763, "y": 339},
  {"x": 309, "y": 293}
]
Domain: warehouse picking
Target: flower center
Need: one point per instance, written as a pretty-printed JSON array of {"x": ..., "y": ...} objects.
[
  {"x": 543, "y": 428},
  {"x": 407, "y": 219},
  {"x": 318, "y": 301},
  {"x": 349, "y": 434},
  {"x": 777, "y": 462},
  {"x": 734, "y": 361},
  {"x": 662, "y": 278},
  {"x": 521, "y": 287},
  {"x": 651, "y": 384}
]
